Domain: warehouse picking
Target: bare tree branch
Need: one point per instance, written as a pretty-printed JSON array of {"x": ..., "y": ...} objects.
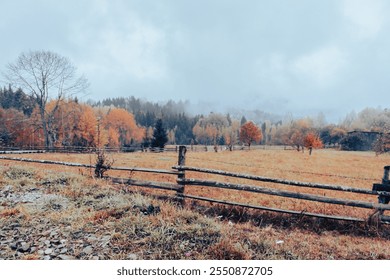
[{"x": 45, "y": 76}]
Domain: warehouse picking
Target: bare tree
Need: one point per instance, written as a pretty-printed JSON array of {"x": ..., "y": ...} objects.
[{"x": 45, "y": 76}]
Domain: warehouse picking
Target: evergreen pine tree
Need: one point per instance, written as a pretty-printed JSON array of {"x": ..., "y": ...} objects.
[
  {"x": 243, "y": 120},
  {"x": 160, "y": 137}
]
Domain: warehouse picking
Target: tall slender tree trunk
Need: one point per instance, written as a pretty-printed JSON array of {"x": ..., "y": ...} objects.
[{"x": 44, "y": 128}]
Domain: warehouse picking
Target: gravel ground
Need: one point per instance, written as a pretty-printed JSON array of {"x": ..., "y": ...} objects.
[{"x": 24, "y": 236}]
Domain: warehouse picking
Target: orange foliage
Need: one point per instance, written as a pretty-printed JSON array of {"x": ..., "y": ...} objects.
[
  {"x": 113, "y": 137},
  {"x": 87, "y": 125},
  {"x": 249, "y": 133},
  {"x": 122, "y": 128},
  {"x": 70, "y": 124},
  {"x": 297, "y": 133},
  {"x": 311, "y": 141},
  {"x": 75, "y": 124},
  {"x": 37, "y": 131},
  {"x": 209, "y": 129},
  {"x": 15, "y": 127}
]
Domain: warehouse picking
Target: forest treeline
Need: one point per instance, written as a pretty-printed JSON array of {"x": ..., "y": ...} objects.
[{"x": 128, "y": 121}]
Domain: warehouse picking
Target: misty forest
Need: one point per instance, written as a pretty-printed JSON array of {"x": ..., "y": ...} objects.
[
  {"x": 38, "y": 109},
  {"x": 130, "y": 121}
]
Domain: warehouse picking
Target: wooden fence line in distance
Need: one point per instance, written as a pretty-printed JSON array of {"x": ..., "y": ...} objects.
[
  {"x": 75, "y": 149},
  {"x": 23, "y": 152},
  {"x": 130, "y": 169}
]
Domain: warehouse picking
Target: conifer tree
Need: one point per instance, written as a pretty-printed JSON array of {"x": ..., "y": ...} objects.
[{"x": 160, "y": 137}]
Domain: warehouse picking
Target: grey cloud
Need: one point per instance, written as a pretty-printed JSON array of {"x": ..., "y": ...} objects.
[{"x": 291, "y": 56}]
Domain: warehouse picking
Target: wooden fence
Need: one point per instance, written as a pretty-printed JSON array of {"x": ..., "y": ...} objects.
[
  {"x": 381, "y": 190},
  {"x": 137, "y": 148},
  {"x": 75, "y": 149}
]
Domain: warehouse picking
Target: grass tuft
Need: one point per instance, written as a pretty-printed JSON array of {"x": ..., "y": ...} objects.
[
  {"x": 17, "y": 172},
  {"x": 9, "y": 212}
]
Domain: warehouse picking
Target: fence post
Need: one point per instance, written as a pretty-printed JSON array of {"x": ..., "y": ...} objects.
[
  {"x": 181, "y": 175},
  {"x": 386, "y": 183},
  {"x": 384, "y": 187},
  {"x": 385, "y": 179}
]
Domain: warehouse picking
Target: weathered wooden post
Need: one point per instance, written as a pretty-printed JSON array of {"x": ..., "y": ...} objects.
[
  {"x": 385, "y": 179},
  {"x": 181, "y": 175},
  {"x": 377, "y": 216},
  {"x": 384, "y": 187}
]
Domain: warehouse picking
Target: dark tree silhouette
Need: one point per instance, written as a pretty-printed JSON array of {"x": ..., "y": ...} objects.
[{"x": 160, "y": 137}]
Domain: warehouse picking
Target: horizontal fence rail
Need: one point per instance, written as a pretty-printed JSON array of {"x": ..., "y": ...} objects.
[
  {"x": 75, "y": 149},
  {"x": 130, "y": 169},
  {"x": 300, "y": 213},
  {"x": 281, "y": 181},
  {"x": 146, "y": 184},
  {"x": 270, "y": 191},
  {"x": 23, "y": 152}
]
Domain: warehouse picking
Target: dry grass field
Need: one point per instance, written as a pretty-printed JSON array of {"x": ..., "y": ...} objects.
[{"x": 115, "y": 222}]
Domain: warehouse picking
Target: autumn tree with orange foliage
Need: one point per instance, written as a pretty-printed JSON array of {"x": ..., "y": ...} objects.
[
  {"x": 311, "y": 141},
  {"x": 231, "y": 134},
  {"x": 86, "y": 128},
  {"x": 15, "y": 128},
  {"x": 297, "y": 133},
  {"x": 209, "y": 130},
  {"x": 122, "y": 128},
  {"x": 249, "y": 133},
  {"x": 73, "y": 124}
]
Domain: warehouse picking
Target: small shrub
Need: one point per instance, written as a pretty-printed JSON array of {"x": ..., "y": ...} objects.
[
  {"x": 53, "y": 179},
  {"x": 103, "y": 215},
  {"x": 227, "y": 249},
  {"x": 103, "y": 163},
  {"x": 382, "y": 144},
  {"x": 16, "y": 173}
]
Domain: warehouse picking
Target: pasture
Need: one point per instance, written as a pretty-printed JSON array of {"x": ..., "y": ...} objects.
[{"x": 203, "y": 230}]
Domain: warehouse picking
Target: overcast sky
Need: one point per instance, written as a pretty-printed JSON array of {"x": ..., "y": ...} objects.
[{"x": 279, "y": 56}]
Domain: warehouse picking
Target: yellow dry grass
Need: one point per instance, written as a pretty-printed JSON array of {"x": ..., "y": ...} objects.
[
  {"x": 211, "y": 231},
  {"x": 355, "y": 169}
]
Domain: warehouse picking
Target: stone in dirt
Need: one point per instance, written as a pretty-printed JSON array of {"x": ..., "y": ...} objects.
[
  {"x": 48, "y": 251},
  {"x": 88, "y": 250},
  {"x": 13, "y": 246},
  {"x": 65, "y": 257},
  {"x": 132, "y": 257},
  {"x": 25, "y": 247}
]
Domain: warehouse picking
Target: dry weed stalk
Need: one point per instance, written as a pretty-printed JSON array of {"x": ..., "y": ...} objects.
[
  {"x": 9, "y": 212},
  {"x": 103, "y": 163}
]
